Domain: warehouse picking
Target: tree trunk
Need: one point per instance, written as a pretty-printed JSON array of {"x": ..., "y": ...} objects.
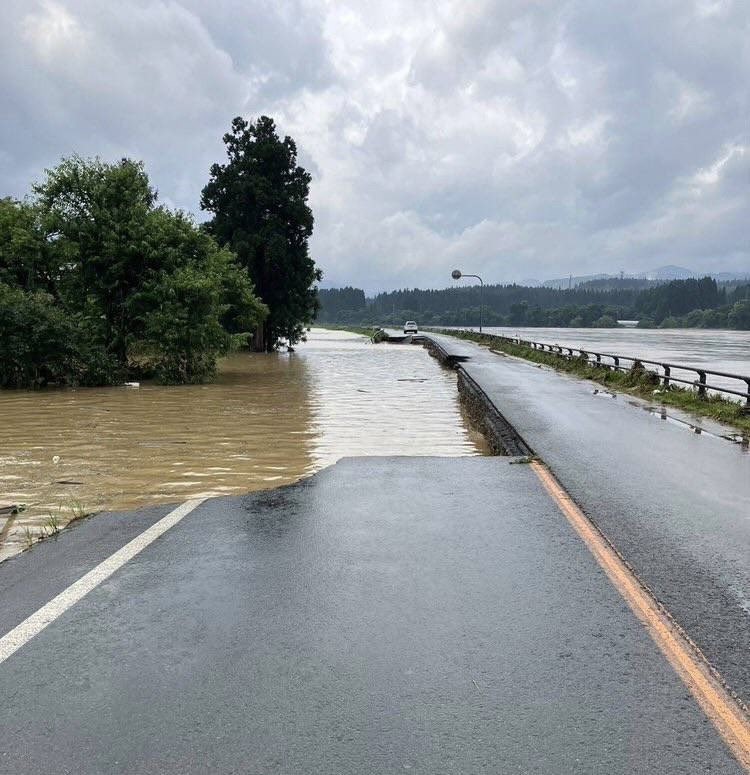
[{"x": 259, "y": 340}]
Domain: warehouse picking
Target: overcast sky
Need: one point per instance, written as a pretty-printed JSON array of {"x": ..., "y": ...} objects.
[{"x": 511, "y": 138}]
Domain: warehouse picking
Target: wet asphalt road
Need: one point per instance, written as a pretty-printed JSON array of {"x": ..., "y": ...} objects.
[
  {"x": 674, "y": 503},
  {"x": 387, "y": 615}
]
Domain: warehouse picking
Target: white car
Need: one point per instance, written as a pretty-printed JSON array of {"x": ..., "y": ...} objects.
[{"x": 410, "y": 327}]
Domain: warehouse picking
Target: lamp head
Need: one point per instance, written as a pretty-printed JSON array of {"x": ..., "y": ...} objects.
[{"x": 456, "y": 274}]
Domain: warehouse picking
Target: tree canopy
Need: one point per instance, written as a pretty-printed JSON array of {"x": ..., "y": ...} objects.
[
  {"x": 98, "y": 283},
  {"x": 258, "y": 199}
]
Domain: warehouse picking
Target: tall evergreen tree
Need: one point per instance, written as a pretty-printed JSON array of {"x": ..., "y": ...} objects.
[{"x": 260, "y": 211}]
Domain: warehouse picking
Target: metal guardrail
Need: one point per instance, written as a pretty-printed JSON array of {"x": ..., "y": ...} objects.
[{"x": 667, "y": 378}]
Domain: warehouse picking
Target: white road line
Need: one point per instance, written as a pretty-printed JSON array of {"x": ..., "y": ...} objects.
[{"x": 27, "y": 629}]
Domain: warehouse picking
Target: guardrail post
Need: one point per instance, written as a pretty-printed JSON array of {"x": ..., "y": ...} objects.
[
  {"x": 701, "y": 383},
  {"x": 584, "y": 356}
]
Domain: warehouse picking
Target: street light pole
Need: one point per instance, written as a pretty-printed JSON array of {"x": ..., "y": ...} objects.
[{"x": 457, "y": 274}]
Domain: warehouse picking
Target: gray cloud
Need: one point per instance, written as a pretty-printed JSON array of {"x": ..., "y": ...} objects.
[{"x": 514, "y": 138}]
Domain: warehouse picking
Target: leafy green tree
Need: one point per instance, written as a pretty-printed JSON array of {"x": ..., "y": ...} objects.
[
  {"x": 338, "y": 305},
  {"x": 260, "y": 211},
  {"x": 740, "y": 293},
  {"x": 181, "y": 310},
  {"x": 26, "y": 255},
  {"x": 98, "y": 283},
  {"x": 739, "y": 315},
  {"x": 37, "y": 339},
  {"x": 42, "y": 340},
  {"x": 183, "y": 333},
  {"x": 98, "y": 215},
  {"x": 678, "y": 298},
  {"x": 518, "y": 313}
]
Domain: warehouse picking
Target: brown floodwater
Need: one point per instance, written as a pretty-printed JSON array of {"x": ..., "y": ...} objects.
[{"x": 267, "y": 420}]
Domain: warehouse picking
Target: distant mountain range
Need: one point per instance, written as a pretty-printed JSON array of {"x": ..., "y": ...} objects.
[
  {"x": 662, "y": 274},
  {"x": 669, "y": 272}
]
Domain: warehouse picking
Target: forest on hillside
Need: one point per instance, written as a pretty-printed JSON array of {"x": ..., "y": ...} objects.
[{"x": 692, "y": 303}]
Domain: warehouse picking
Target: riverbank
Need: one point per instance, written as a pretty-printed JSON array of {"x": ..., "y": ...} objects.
[{"x": 641, "y": 383}]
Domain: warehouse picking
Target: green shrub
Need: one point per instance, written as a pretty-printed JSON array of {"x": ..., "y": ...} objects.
[{"x": 37, "y": 340}]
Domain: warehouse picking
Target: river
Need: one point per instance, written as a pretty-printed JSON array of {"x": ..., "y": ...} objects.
[
  {"x": 269, "y": 419},
  {"x": 727, "y": 351}
]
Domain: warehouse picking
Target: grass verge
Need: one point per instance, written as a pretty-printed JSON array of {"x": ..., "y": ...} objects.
[
  {"x": 371, "y": 332},
  {"x": 637, "y": 382}
]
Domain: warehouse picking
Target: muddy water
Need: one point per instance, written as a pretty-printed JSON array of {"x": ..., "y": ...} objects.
[
  {"x": 381, "y": 400},
  {"x": 267, "y": 420}
]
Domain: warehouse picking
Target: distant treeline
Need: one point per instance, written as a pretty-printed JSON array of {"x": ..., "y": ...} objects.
[{"x": 681, "y": 303}]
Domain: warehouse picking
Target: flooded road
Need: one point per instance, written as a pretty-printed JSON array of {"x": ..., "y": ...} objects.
[
  {"x": 267, "y": 420},
  {"x": 381, "y": 400}
]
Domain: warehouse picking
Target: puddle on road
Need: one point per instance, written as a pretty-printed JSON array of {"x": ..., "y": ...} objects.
[
  {"x": 268, "y": 420},
  {"x": 660, "y": 412}
]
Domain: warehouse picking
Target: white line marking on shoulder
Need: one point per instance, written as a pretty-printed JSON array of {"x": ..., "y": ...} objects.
[{"x": 34, "y": 624}]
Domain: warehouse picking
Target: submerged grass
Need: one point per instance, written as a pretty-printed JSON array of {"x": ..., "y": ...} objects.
[
  {"x": 55, "y": 523},
  {"x": 637, "y": 382},
  {"x": 371, "y": 332}
]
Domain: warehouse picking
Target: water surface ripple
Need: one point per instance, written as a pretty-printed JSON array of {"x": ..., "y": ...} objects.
[{"x": 267, "y": 420}]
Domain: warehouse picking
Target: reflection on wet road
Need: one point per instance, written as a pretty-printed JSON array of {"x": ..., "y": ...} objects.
[{"x": 268, "y": 420}]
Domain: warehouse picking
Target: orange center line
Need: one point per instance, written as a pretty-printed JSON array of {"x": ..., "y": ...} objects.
[{"x": 719, "y": 706}]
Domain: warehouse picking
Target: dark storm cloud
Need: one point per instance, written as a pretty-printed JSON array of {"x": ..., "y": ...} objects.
[
  {"x": 514, "y": 138},
  {"x": 154, "y": 80}
]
